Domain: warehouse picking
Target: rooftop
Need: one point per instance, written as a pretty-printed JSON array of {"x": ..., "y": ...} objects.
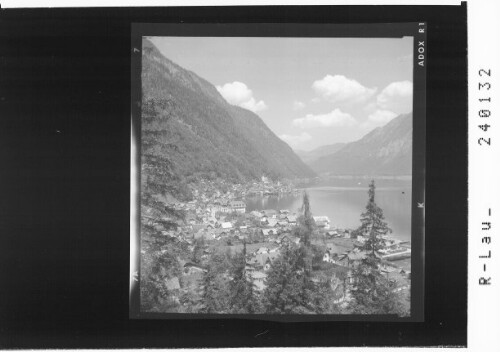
[{"x": 173, "y": 283}]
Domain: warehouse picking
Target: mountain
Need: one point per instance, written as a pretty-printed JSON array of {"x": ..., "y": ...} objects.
[
  {"x": 191, "y": 132},
  {"x": 386, "y": 150},
  {"x": 310, "y": 156}
]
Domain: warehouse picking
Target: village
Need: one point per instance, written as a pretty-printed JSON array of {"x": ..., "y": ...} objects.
[{"x": 220, "y": 223}]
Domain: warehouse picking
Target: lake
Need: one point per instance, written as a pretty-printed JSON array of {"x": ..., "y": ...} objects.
[{"x": 344, "y": 199}]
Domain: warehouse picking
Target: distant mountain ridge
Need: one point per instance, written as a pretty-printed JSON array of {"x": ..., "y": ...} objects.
[
  {"x": 188, "y": 127},
  {"x": 312, "y": 155},
  {"x": 386, "y": 150}
]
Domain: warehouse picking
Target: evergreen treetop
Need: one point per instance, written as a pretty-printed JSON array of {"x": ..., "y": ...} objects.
[{"x": 373, "y": 224}]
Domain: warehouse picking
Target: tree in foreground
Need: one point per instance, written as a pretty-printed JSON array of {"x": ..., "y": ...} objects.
[
  {"x": 308, "y": 221},
  {"x": 199, "y": 247},
  {"x": 373, "y": 293},
  {"x": 242, "y": 294},
  {"x": 156, "y": 269},
  {"x": 324, "y": 296},
  {"x": 373, "y": 224},
  {"x": 215, "y": 286},
  {"x": 305, "y": 230},
  {"x": 284, "y": 293},
  {"x": 291, "y": 286}
]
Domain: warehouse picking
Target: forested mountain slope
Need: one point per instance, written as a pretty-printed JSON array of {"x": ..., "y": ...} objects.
[
  {"x": 190, "y": 130},
  {"x": 386, "y": 150}
]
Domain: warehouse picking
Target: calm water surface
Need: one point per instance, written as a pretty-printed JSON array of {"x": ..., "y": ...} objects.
[{"x": 343, "y": 201}]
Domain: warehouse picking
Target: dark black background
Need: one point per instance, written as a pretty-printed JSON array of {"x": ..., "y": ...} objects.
[{"x": 64, "y": 203}]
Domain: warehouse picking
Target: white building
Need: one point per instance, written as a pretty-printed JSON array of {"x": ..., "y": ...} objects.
[
  {"x": 322, "y": 222},
  {"x": 226, "y": 225},
  {"x": 237, "y": 205}
]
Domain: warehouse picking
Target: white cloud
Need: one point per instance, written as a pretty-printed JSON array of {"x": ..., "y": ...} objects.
[
  {"x": 378, "y": 118},
  {"x": 237, "y": 93},
  {"x": 298, "y": 105},
  {"x": 294, "y": 141},
  {"x": 334, "y": 118},
  {"x": 397, "y": 97},
  {"x": 253, "y": 105},
  {"x": 340, "y": 89},
  {"x": 315, "y": 100}
]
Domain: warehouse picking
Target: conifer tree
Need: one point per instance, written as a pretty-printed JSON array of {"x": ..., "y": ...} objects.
[
  {"x": 238, "y": 288},
  {"x": 214, "y": 284},
  {"x": 209, "y": 297},
  {"x": 156, "y": 269},
  {"x": 199, "y": 247},
  {"x": 290, "y": 288},
  {"x": 373, "y": 224},
  {"x": 372, "y": 292},
  {"x": 253, "y": 304},
  {"x": 308, "y": 220},
  {"x": 306, "y": 230},
  {"x": 324, "y": 295},
  {"x": 250, "y": 298},
  {"x": 284, "y": 290}
]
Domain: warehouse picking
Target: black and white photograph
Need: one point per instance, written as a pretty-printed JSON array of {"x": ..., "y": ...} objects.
[
  {"x": 245, "y": 175},
  {"x": 276, "y": 175}
]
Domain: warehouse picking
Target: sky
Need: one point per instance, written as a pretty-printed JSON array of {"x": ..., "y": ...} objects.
[{"x": 309, "y": 91}]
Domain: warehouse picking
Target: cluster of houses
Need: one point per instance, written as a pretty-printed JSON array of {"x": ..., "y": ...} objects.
[
  {"x": 350, "y": 259},
  {"x": 269, "y": 225},
  {"x": 209, "y": 201},
  {"x": 258, "y": 264},
  {"x": 260, "y": 261},
  {"x": 228, "y": 206},
  {"x": 211, "y": 216},
  {"x": 268, "y": 187}
]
